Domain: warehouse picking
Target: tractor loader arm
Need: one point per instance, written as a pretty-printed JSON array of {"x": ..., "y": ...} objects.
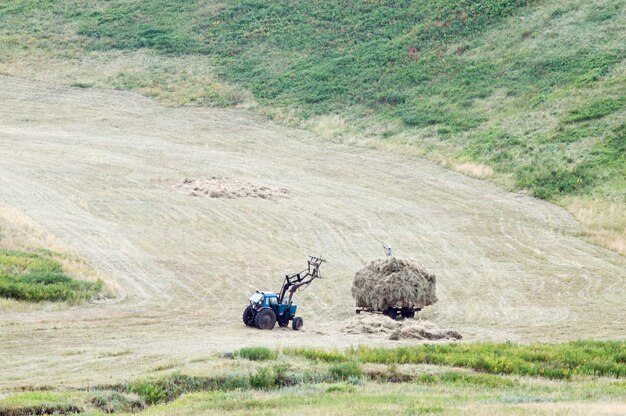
[{"x": 300, "y": 280}]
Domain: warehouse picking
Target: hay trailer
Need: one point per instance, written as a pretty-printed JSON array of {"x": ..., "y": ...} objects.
[
  {"x": 395, "y": 287},
  {"x": 267, "y": 308}
]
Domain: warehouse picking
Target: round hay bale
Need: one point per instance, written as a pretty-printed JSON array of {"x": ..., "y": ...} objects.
[{"x": 393, "y": 282}]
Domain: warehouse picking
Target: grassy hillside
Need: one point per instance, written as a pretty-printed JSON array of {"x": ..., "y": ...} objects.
[{"x": 528, "y": 93}]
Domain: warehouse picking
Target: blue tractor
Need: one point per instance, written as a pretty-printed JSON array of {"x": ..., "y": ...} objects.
[{"x": 268, "y": 308}]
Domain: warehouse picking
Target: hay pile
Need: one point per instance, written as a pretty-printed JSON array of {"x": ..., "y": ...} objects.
[
  {"x": 393, "y": 282},
  {"x": 225, "y": 187},
  {"x": 381, "y": 326}
]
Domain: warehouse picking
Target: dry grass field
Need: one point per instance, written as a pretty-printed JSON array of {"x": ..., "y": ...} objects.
[{"x": 100, "y": 173}]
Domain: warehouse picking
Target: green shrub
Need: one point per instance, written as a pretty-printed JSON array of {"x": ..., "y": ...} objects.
[
  {"x": 427, "y": 379},
  {"x": 596, "y": 109},
  {"x": 171, "y": 387},
  {"x": 257, "y": 353},
  {"x": 151, "y": 393},
  {"x": 340, "y": 388},
  {"x": 549, "y": 180},
  {"x": 235, "y": 382},
  {"x": 281, "y": 377},
  {"x": 488, "y": 380},
  {"x": 114, "y": 402},
  {"x": 35, "y": 277},
  {"x": 317, "y": 354},
  {"x": 346, "y": 371},
  {"x": 264, "y": 379}
]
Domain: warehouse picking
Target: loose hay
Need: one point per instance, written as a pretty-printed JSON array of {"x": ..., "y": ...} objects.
[
  {"x": 393, "y": 282},
  {"x": 379, "y": 325},
  {"x": 225, "y": 187}
]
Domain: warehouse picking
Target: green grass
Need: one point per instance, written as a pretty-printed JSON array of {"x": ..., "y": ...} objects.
[
  {"x": 37, "y": 276},
  {"x": 463, "y": 379},
  {"x": 356, "y": 385},
  {"x": 256, "y": 353},
  {"x": 553, "y": 361},
  {"x": 596, "y": 109},
  {"x": 316, "y": 354},
  {"x": 167, "y": 388},
  {"x": 350, "y": 370},
  {"x": 41, "y": 402}
]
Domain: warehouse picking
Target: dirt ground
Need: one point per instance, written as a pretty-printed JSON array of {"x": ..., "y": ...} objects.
[{"x": 88, "y": 166}]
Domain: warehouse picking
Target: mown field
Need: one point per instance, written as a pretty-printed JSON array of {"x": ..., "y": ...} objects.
[
  {"x": 529, "y": 94},
  {"x": 362, "y": 381}
]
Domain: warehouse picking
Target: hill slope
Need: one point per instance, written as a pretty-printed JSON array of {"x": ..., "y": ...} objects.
[
  {"x": 528, "y": 93},
  {"x": 185, "y": 261}
]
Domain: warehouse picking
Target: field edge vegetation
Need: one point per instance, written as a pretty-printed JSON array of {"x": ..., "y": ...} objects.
[{"x": 260, "y": 376}]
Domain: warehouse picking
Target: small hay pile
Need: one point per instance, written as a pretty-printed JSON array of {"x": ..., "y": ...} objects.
[
  {"x": 381, "y": 326},
  {"x": 393, "y": 282},
  {"x": 224, "y": 187}
]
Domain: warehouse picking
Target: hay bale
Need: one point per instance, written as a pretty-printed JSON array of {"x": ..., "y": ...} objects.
[{"x": 393, "y": 282}]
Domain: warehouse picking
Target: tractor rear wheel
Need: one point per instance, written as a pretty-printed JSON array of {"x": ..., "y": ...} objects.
[
  {"x": 248, "y": 316},
  {"x": 265, "y": 319},
  {"x": 297, "y": 323}
]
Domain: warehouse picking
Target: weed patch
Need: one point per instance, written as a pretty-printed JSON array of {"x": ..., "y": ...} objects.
[
  {"x": 554, "y": 361},
  {"x": 51, "y": 409},
  {"x": 331, "y": 356},
  {"x": 349, "y": 370},
  {"x": 257, "y": 353},
  {"x": 596, "y": 109},
  {"x": 113, "y": 402},
  {"x": 35, "y": 277}
]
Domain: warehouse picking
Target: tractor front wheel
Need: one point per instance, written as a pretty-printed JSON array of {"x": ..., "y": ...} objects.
[
  {"x": 265, "y": 319},
  {"x": 297, "y": 323},
  {"x": 248, "y": 316}
]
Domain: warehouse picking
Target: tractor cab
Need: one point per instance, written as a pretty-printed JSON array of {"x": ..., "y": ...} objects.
[
  {"x": 260, "y": 300},
  {"x": 264, "y": 299}
]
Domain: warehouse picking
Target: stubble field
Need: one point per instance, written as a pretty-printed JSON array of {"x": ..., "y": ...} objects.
[{"x": 102, "y": 174}]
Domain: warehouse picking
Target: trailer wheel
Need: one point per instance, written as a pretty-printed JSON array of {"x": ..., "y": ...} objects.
[
  {"x": 265, "y": 319},
  {"x": 408, "y": 313},
  {"x": 297, "y": 323},
  {"x": 392, "y": 313}
]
